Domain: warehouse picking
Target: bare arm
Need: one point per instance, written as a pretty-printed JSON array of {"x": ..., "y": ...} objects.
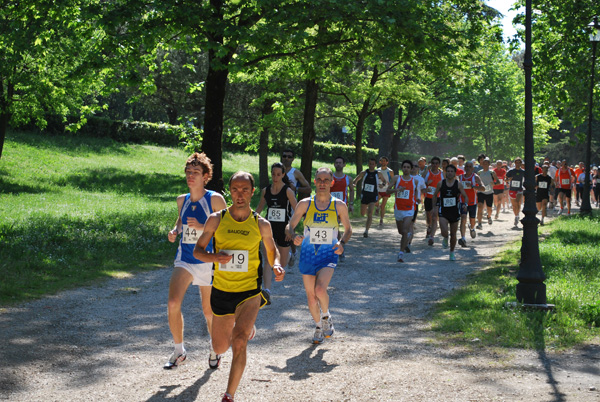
[
  {"x": 262, "y": 202},
  {"x": 291, "y": 198},
  {"x": 304, "y": 185},
  {"x": 299, "y": 212},
  {"x": 200, "y": 252},
  {"x": 271, "y": 250},
  {"x": 172, "y": 235},
  {"x": 342, "y": 211}
]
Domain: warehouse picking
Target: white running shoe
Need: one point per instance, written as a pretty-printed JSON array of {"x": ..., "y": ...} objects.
[
  {"x": 327, "y": 325},
  {"x": 252, "y": 333},
  {"x": 318, "y": 336},
  {"x": 214, "y": 360},
  {"x": 175, "y": 361}
]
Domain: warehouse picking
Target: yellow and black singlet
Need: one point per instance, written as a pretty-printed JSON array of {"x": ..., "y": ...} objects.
[{"x": 242, "y": 240}]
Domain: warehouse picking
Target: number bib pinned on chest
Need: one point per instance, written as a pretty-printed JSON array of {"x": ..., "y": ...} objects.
[
  {"x": 320, "y": 235},
  {"x": 238, "y": 263},
  {"x": 190, "y": 235},
  {"x": 276, "y": 215}
]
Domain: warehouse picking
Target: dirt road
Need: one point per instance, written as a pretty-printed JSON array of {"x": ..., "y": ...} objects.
[{"x": 109, "y": 342}]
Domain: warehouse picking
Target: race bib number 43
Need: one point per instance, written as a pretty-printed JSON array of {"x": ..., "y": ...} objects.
[
  {"x": 238, "y": 263},
  {"x": 321, "y": 235},
  {"x": 190, "y": 235},
  {"x": 276, "y": 215}
]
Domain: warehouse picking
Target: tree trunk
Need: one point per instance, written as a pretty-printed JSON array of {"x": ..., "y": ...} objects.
[
  {"x": 216, "y": 84},
  {"x": 4, "y": 113},
  {"x": 308, "y": 130},
  {"x": 360, "y": 128},
  {"x": 263, "y": 147},
  {"x": 386, "y": 133}
]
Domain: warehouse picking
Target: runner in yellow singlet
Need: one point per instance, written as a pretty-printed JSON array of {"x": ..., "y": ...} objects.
[{"x": 236, "y": 295}]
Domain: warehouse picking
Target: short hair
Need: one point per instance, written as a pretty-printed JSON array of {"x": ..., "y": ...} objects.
[
  {"x": 435, "y": 158},
  {"x": 241, "y": 173},
  {"x": 451, "y": 166},
  {"x": 200, "y": 159},
  {"x": 288, "y": 151},
  {"x": 373, "y": 159},
  {"x": 407, "y": 161},
  {"x": 480, "y": 156},
  {"x": 324, "y": 169},
  {"x": 340, "y": 157},
  {"x": 384, "y": 157}
]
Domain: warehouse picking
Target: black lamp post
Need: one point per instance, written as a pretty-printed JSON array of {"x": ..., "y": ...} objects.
[
  {"x": 531, "y": 289},
  {"x": 586, "y": 207}
]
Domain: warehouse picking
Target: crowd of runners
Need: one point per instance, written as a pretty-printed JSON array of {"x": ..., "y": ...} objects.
[{"x": 232, "y": 253}]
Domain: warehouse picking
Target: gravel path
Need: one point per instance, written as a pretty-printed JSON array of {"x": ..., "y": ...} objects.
[{"x": 109, "y": 342}]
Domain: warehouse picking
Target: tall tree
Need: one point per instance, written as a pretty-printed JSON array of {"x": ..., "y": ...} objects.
[{"x": 44, "y": 51}]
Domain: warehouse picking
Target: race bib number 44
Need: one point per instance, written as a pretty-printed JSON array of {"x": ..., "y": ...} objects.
[
  {"x": 321, "y": 235},
  {"x": 190, "y": 235},
  {"x": 238, "y": 263},
  {"x": 276, "y": 215}
]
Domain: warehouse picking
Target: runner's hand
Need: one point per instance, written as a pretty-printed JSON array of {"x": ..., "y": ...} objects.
[
  {"x": 279, "y": 273},
  {"x": 298, "y": 240},
  {"x": 338, "y": 248},
  {"x": 223, "y": 258},
  {"x": 194, "y": 224},
  {"x": 172, "y": 236}
]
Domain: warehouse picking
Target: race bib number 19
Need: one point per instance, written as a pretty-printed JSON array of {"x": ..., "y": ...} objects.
[
  {"x": 190, "y": 235},
  {"x": 321, "y": 235},
  {"x": 238, "y": 263},
  {"x": 276, "y": 215}
]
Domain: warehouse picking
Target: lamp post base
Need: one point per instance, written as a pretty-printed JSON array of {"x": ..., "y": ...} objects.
[{"x": 531, "y": 293}]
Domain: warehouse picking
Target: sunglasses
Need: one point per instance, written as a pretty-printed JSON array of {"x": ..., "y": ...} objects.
[{"x": 287, "y": 156}]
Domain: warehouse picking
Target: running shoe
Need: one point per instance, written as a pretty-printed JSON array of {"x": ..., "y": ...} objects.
[
  {"x": 516, "y": 221},
  {"x": 479, "y": 226},
  {"x": 292, "y": 259},
  {"x": 430, "y": 241},
  {"x": 267, "y": 295},
  {"x": 342, "y": 257},
  {"x": 407, "y": 249},
  {"x": 175, "y": 361},
  {"x": 366, "y": 234},
  {"x": 489, "y": 220},
  {"x": 227, "y": 398},
  {"x": 327, "y": 325},
  {"x": 560, "y": 212},
  {"x": 542, "y": 222},
  {"x": 214, "y": 360},
  {"x": 452, "y": 256},
  {"x": 400, "y": 256},
  {"x": 497, "y": 214},
  {"x": 318, "y": 336},
  {"x": 252, "y": 333},
  {"x": 473, "y": 233},
  {"x": 445, "y": 242},
  {"x": 462, "y": 242},
  {"x": 380, "y": 222}
]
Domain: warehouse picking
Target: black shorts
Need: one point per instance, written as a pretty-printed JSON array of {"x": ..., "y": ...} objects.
[
  {"x": 225, "y": 303},
  {"x": 565, "y": 191},
  {"x": 428, "y": 204},
  {"x": 278, "y": 229},
  {"x": 541, "y": 196},
  {"x": 368, "y": 198},
  {"x": 452, "y": 215},
  {"x": 471, "y": 210},
  {"x": 487, "y": 198}
]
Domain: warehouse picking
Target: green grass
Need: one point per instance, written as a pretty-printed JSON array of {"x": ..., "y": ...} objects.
[
  {"x": 571, "y": 262},
  {"x": 75, "y": 209}
]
